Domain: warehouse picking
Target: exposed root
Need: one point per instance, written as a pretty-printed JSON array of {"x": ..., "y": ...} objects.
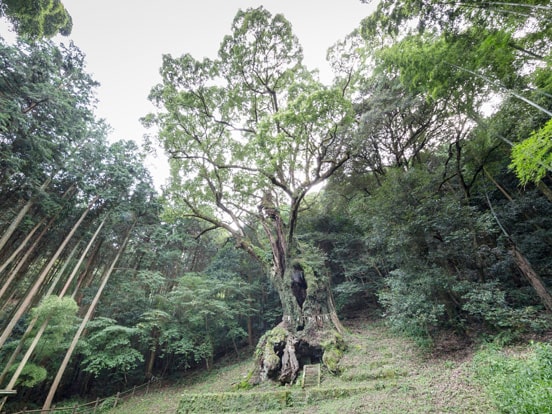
[
  {"x": 290, "y": 364},
  {"x": 281, "y": 354}
]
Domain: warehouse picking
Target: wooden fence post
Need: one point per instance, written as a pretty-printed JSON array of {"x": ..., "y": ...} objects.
[
  {"x": 76, "y": 407},
  {"x": 116, "y": 399}
]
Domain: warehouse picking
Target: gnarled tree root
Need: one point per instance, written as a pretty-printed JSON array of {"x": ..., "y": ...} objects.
[{"x": 281, "y": 354}]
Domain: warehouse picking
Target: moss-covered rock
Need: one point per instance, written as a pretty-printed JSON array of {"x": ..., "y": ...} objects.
[{"x": 331, "y": 359}]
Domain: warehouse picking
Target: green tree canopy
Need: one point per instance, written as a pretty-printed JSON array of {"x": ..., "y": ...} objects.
[
  {"x": 37, "y": 18},
  {"x": 249, "y": 135}
]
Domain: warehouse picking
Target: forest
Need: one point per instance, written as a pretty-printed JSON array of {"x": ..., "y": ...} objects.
[{"x": 415, "y": 189}]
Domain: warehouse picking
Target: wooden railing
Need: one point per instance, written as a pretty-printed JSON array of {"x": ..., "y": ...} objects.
[{"x": 99, "y": 405}]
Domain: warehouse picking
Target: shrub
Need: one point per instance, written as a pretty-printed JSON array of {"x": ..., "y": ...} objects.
[
  {"x": 412, "y": 302},
  {"x": 517, "y": 384}
]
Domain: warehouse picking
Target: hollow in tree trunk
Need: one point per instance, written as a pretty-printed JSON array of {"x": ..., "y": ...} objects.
[{"x": 310, "y": 331}]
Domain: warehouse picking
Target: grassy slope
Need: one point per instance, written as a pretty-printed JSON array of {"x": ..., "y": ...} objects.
[{"x": 398, "y": 379}]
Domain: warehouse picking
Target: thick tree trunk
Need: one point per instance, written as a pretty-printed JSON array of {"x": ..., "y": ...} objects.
[
  {"x": 309, "y": 328},
  {"x": 306, "y": 302}
]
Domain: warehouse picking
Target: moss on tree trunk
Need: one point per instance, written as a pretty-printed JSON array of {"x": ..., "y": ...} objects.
[{"x": 309, "y": 328}]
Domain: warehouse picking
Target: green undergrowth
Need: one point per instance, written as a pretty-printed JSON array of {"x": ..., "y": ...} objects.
[
  {"x": 518, "y": 381},
  {"x": 379, "y": 373},
  {"x": 262, "y": 401}
]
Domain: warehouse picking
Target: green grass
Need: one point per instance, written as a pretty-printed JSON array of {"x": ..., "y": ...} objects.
[
  {"x": 381, "y": 373},
  {"x": 518, "y": 382}
]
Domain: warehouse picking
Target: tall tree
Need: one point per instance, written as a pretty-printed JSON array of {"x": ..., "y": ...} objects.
[
  {"x": 46, "y": 117},
  {"x": 505, "y": 47},
  {"x": 87, "y": 316},
  {"x": 249, "y": 135},
  {"x": 38, "y": 283}
]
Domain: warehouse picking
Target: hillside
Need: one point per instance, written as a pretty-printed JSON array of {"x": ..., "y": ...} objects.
[
  {"x": 416, "y": 181},
  {"x": 381, "y": 373}
]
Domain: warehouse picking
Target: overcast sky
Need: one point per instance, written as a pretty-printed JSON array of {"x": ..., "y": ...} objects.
[{"x": 124, "y": 39}]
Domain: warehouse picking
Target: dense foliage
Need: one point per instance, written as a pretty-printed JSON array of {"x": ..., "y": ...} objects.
[
  {"x": 37, "y": 18},
  {"x": 79, "y": 212},
  {"x": 434, "y": 143}
]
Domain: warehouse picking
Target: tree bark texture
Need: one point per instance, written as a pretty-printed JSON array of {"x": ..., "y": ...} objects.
[
  {"x": 533, "y": 278},
  {"x": 309, "y": 317},
  {"x": 309, "y": 322}
]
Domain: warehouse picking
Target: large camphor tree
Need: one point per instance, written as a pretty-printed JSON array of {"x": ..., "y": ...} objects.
[{"x": 249, "y": 134}]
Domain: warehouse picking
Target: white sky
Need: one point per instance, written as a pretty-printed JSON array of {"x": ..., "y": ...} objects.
[{"x": 124, "y": 39}]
